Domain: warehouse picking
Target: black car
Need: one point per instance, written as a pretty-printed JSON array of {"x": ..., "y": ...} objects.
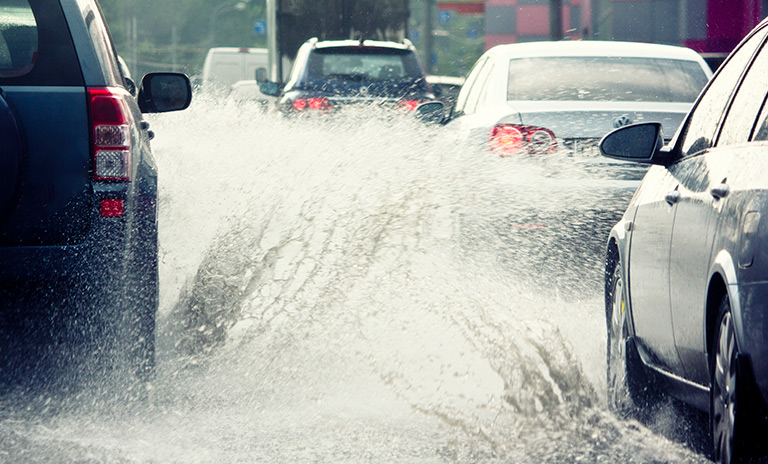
[
  {"x": 686, "y": 276},
  {"x": 329, "y": 75},
  {"x": 78, "y": 185}
]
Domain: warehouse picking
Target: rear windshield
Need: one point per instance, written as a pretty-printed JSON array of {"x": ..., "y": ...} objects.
[
  {"x": 605, "y": 79},
  {"x": 35, "y": 45},
  {"x": 363, "y": 65},
  {"x": 18, "y": 38}
]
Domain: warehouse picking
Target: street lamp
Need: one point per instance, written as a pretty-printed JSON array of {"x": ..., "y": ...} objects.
[{"x": 223, "y": 8}]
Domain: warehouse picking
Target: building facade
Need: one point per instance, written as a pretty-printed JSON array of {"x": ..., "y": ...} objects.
[{"x": 704, "y": 25}]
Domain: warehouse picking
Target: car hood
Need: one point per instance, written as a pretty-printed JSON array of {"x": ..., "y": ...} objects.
[{"x": 592, "y": 120}]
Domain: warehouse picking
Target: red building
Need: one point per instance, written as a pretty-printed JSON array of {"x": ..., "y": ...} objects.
[{"x": 704, "y": 25}]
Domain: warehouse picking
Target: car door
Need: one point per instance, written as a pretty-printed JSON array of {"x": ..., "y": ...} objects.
[
  {"x": 649, "y": 268},
  {"x": 703, "y": 176}
]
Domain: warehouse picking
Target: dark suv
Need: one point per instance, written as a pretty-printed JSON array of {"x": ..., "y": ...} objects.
[
  {"x": 328, "y": 75},
  {"x": 78, "y": 185}
]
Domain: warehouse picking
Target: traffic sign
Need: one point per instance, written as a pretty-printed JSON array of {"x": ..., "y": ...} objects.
[{"x": 260, "y": 27}]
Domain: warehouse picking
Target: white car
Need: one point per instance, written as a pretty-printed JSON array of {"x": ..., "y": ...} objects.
[
  {"x": 248, "y": 91},
  {"x": 539, "y": 97}
]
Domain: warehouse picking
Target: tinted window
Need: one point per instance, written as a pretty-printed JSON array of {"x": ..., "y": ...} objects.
[
  {"x": 35, "y": 45},
  {"x": 18, "y": 38},
  {"x": 363, "y": 65},
  {"x": 605, "y": 79},
  {"x": 702, "y": 124},
  {"x": 746, "y": 104}
]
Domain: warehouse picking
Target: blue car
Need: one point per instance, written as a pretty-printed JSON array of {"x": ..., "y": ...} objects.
[{"x": 78, "y": 184}]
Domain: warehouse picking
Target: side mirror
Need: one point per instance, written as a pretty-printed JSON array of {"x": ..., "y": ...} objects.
[
  {"x": 640, "y": 143},
  {"x": 163, "y": 92},
  {"x": 260, "y": 75},
  {"x": 430, "y": 112},
  {"x": 269, "y": 88}
]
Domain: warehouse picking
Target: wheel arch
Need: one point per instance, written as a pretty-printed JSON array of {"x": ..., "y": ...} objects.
[
  {"x": 612, "y": 260},
  {"x": 722, "y": 281}
]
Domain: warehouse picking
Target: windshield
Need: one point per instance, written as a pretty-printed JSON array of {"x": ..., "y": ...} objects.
[{"x": 604, "y": 79}]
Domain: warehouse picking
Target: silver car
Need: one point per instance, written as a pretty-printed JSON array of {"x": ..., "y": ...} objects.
[
  {"x": 686, "y": 271},
  {"x": 543, "y": 96}
]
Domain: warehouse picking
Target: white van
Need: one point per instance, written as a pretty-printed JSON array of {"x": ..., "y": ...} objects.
[{"x": 226, "y": 65}]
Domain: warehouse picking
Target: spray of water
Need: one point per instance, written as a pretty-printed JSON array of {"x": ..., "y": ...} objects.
[{"x": 362, "y": 289}]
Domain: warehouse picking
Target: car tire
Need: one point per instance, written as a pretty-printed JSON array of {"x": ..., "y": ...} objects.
[
  {"x": 630, "y": 389},
  {"x": 730, "y": 419},
  {"x": 10, "y": 159}
]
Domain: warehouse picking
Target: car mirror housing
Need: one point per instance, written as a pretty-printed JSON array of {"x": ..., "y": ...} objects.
[
  {"x": 430, "y": 112},
  {"x": 269, "y": 88},
  {"x": 640, "y": 143},
  {"x": 163, "y": 92}
]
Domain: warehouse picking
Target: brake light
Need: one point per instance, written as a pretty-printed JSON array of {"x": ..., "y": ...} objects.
[
  {"x": 111, "y": 134},
  {"x": 515, "y": 139},
  {"x": 409, "y": 105},
  {"x": 301, "y": 104}
]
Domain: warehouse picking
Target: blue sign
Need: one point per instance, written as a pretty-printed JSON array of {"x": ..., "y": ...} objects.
[
  {"x": 444, "y": 17},
  {"x": 472, "y": 34},
  {"x": 415, "y": 35},
  {"x": 260, "y": 27}
]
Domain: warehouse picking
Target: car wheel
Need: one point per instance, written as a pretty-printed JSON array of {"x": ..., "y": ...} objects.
[
  {"x": 729, "y": 417},
  {"x": 630, "y": 390}
]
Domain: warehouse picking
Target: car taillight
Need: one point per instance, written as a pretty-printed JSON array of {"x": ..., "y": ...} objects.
[
  {"x": 515, "y": 139},
  {"x": 301, "y": 104},
  {"x": 111, "y": 134},
  {"x": 409, "y": 105}
]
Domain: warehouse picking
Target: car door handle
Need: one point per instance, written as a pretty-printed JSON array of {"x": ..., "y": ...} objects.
[
  {"x": 720, "y": 191},
  {"x": 672, "y": 197}
]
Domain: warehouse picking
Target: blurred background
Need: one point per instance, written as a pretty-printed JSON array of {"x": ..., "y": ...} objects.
[{"x": 449, "y": 34}]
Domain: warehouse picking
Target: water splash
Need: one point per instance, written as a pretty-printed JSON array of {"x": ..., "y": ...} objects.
[{"x": 353, "y": 291}]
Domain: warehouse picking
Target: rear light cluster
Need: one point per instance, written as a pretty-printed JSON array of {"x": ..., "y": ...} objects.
[
  {"x": 303, "y": 104},
  {"x": 111, "y": 134},
  {"x": 515, "y": 139},
  {"x": 409, "y": 105}
]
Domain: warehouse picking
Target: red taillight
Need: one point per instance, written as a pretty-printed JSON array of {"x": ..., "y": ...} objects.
[
  {"x": 301, "y": 104},
  {"x": 111, "y": 134},
  {"x": 514, "y": 139},
  {"x": 409, "y": 105}
]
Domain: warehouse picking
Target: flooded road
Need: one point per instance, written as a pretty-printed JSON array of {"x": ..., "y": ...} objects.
[{"x": 364, "y": 291}]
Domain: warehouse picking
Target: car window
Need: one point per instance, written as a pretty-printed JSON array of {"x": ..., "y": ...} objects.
[
  {"x": 18, "y": 38},
  {"x": 478, "y": 91},
  {"x": 35, "y": 45},
  {"x": 605, "y": 79},
  {"x": 746, "y": 104},
  {"x": 702, "y": 124},
  {"x": 461, "y": 100},
  {"x": 363, "y": 64},
  {"x": 761, "y": 128}
]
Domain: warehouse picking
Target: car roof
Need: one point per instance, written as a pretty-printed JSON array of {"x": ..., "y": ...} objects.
[
  {"x": 595, "y": 48},
  {"x": 406, "y": 45}
]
